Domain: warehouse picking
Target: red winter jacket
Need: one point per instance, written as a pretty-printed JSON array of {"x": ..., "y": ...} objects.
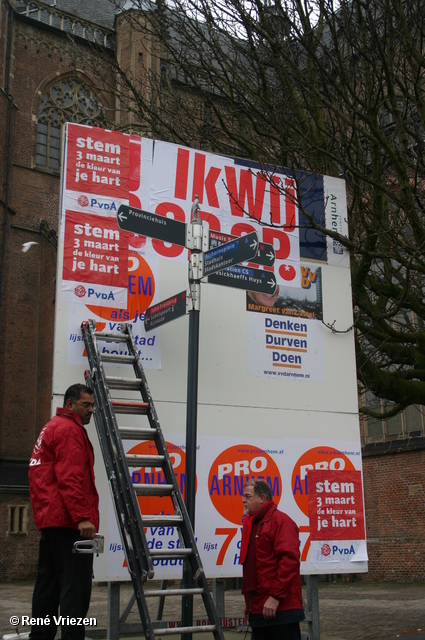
[
  {"x": 61, "y": 475},
  {"x": 277, "y": 562}
]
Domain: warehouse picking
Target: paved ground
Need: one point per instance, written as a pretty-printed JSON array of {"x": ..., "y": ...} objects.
[{"x": 348, "y": 611}]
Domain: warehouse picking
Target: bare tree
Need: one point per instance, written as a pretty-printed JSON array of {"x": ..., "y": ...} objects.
[{"x": 332, "y": 88}]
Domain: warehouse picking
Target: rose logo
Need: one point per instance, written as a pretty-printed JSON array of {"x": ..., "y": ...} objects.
[
  {"x": 325, "y": 550},
  {"x": 83, "y": 201},
  {"x": 80, "y": 291}
]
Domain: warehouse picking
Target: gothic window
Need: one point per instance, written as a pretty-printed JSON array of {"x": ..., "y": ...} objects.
[{"x": 67, "y": 101}]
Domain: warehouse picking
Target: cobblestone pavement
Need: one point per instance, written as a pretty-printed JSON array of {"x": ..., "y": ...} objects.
[
  {"x": 364, "y": 611},
  {"x": 348, "y": 611}
]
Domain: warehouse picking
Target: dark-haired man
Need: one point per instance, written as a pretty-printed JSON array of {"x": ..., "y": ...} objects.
[
  {"x": 270, "y": 555},
  {"x": 65, "y": 509}
]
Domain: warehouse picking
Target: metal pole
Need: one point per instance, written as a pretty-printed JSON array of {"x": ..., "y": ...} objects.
[
  {"x": 191, "y": 427},
  {"x": 192, "y": 414}
]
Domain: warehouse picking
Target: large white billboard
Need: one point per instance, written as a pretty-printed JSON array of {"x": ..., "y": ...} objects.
[{"x": 277, "y": 381}]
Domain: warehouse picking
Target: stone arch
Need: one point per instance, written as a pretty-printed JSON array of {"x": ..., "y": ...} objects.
[{"x": 69, "y": 98}]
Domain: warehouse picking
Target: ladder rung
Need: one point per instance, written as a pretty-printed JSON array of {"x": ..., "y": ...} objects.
[
  {"x": 139, "y": 460},
  {"x": 176, "y": 630},
  {"x": 131, "y": 406},
  {"x": 183, "y": 552},
  {"x": 112, "y": 337},
  {"x": 108, "y": 357},
  {"x": 172, "y": 592},
  {"x": 124, "y": 383},
  {"x": 161, "y": 521},
  {"x": 153, "y": 489},
  {"x": 137, "y": 433}
]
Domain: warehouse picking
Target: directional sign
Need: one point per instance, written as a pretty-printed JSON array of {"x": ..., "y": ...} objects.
[
  {"x": 265, "y": 254},
  {"x": 229, "y": 254},
  {"x": 165, "y": 311},
  {"x": 246, "y": 278},
  {"x": 151, "y": 225}
]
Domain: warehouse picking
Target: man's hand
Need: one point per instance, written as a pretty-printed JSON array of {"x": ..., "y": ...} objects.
[
  {"x": 86, "y": 529},
  {"x": 270, "y": 607}
]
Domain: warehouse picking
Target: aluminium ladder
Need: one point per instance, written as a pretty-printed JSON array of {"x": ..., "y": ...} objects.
[{"x": 131, "y": 521}]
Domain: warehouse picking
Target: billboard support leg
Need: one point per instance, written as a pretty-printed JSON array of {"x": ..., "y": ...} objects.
[
  {"x": 218, "y": 596},
  {"x": 113, "y": 610},
  {"x": 313, "y": 607}
]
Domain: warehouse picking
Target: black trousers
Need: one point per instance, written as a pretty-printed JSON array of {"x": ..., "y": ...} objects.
[
  {"x": 289, "y": 631},
  {"x": 63, "y": 581}
]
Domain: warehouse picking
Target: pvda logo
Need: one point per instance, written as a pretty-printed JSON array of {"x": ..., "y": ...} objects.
[{"x": 83, "y": 201}]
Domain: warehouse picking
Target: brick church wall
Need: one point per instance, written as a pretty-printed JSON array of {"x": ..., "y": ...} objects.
[
  {"x": 40, "y": 57},
  {"x": 394, "y": 486}
]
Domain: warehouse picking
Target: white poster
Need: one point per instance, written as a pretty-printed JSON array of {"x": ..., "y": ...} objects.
[
  {"x": 277, "y": 379},
  {"x": 285, "y": 331},
  {"x": 224, "y": 465},
  {"x": 235, "y": 198},
  {"x": 103, "y": 271}
]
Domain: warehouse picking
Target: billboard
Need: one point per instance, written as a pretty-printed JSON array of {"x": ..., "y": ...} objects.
[{"x": 277, "y": 382}]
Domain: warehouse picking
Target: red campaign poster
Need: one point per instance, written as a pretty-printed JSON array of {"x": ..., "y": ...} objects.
[
  {"x": 97, "y": 161},
  {"x": 335, "y": 500},
  {"x": 95, "y": 250}
]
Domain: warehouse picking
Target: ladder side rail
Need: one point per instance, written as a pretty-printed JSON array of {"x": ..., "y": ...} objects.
[
  {"x": 116, "y": 452},
  {"x": 187, "y": 531},
  {"x": 209, "y": 605}
]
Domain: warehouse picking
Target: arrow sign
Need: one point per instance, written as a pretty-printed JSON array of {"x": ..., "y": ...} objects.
[
  {"x": 165, "y": 311},
  {"x": 265, "y": 254},
  {"x": 245, "y": 278},
  {"x": 229, "y": 254},
  {"x": 151, "y": 225}
]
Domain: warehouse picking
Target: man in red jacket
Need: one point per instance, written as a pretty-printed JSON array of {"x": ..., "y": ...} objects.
[
  {"x": 65, "y": 506},
  {"x": 270, "y": 555}
]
